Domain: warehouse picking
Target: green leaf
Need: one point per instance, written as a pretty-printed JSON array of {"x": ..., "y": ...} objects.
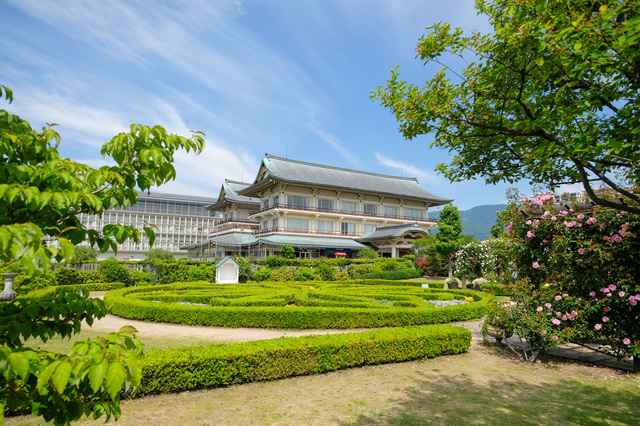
[
  {"x": 127, "y": 329},
  {"x": 97, "y": 374},
  {"x": 115, "y": 378},
  {"x": 20, "y": 364},
  {"x": 60, "y": 377}
]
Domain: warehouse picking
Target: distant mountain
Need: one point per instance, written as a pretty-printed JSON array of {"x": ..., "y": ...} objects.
[{"x": 478, "y": 220}]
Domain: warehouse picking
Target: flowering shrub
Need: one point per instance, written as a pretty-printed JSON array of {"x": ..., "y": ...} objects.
[
  {"x": 474, "y": 260},
  {"x": 453, "y": 280},
  {"x": 576, "y": 273}
]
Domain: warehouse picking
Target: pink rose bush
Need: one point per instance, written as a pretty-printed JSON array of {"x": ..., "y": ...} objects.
[{"x": 578, "y": 278}]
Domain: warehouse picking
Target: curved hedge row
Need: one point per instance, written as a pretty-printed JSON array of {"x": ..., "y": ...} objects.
[
  {"x": 38, "y": 294},
  {"x": 324, "y": 305},
  {"x": 178, "y": 370}
]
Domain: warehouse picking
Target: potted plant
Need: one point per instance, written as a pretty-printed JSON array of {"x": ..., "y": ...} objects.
[{"x": 497, "y": 323}]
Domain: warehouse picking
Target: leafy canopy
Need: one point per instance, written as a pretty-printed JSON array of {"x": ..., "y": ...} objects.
[
  {"x": 41, "y": 197},
  {"x": 159, "y": 254},
  {"x": 551, "y": 95},
  {"x": 42, "y": 193}
]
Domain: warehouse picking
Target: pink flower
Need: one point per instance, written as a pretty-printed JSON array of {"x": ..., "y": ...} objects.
[
  {"x": 555, "y": 337},
  {"x": 591, "y": 221},
  {"x": 580, "y": 251},
  {"x": 637, "y": 296},
  {"x": 555, "y": 321},
  {"x": 548, "y": 305},
  {"x": 558, "y": 314},
  {"x": 540, "y": 308},
  {"x": 612, "y": 287},
  {"x": 626, "y": 341},
  {"x": 564, "y": 318},
  {"x": 606, "y": 309},
  {"x": 544, "y": 332},
  {"x": 580, "y": 216},
  {"x": 535, "y": 265},
  {"x": 633, "y": 302},
  {"x": 593, "y": 293},
  {"x": 544, "y": 241},
  {"x": 554, "y": 218},
  {"x": 621, "y": 294},
  {"x": 605, "y": 319},
  {"x": 565, "y": 295},
  {"x": 530, "y": 234},
  {"x": 558, "y": 298},
  {"x": 529, "y": 222},
  {"x": 510, "y": 227},
  {"x": 598, "y": 326},
  {"x": 574, "y": 313}
]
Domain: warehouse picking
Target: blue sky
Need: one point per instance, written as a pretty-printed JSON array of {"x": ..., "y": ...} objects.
[{"x": 289, "y": 78}]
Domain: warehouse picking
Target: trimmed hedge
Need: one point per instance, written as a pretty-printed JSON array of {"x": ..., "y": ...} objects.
[
  {"x": 497, "y": 289},
  {"x": 432, "y": 284},
  {"x": 182, "y": 369},
  {"x": 394, "y": 275},
  {"x": 276, "y": 305},
  {"x": 38, "y": 294}
]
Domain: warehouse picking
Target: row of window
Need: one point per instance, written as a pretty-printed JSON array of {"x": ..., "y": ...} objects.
[
  {"x": 296, "y": 201},
  {"x": 168, "y": 207},
  {"x": 295, "y": 224}
]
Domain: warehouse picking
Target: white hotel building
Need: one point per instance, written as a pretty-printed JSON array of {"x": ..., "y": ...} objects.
[{"x": 320, "y": 210}]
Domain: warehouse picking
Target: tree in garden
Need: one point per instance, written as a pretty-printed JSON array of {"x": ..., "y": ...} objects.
[
  {"x": 367, "y": 253},
  {"x": 159, "y": 254},
  {"x": 433, "y": 263},
  {"x": 85, "y": 254},
  {"x": 550, "y": 96},
  {"x": 41, "y": 196},
  {"x": 287, "y": 252},
  {"x": 448, "y": 237}
]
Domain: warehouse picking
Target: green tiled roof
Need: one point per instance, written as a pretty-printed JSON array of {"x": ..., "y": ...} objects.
[
  {"x": 386, "y": 232},
  {"x": 334, "y": 177},
  {"x": 311, "y": 241},
  {"x": 229, "y": 194}
]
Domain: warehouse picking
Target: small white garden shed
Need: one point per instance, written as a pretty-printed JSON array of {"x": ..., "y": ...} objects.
[{"x": 227, "y": 271}]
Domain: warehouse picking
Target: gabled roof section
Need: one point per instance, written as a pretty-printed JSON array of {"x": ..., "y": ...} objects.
[
  {"x": 229, "y": 194},
  {"x": 300, "y": 172},
  {"x": 393, "y": 232}
]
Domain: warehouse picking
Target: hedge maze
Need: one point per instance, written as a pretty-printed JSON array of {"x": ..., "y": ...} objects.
[{"x": 316, "y": 305}]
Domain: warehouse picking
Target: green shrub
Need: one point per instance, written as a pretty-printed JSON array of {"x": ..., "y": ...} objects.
[
  {"x": 284, "y": 273},
  {"x": 44, "y": 279},
  {"x": 141, "y": 278},
  {"x": 200, "y": 273},
  {"x": 191, "y": 368},
  {"x": 84, "y": 254},
  {"x": 367, "y": 253},
  {"x": 114, "y": 272},
  {"x": 40, "y": 293},
  {"x": 263, "y": 274},
  {"x": 326, "y": 271},
  {"x": 245, "y": 272},
  {"x": 93, "y": 276},
  {"x": 68, "y": 276},
  {"x": 305, "y": 274},
  {"x": 394, "y": 275},
  {"x": 287, "y": 252},
  {"x": 159, "y": 254}
]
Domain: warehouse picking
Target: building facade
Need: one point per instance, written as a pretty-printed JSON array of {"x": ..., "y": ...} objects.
[
  {"x": 320, "y": 210},
  {"x": 179, "y": 220}
]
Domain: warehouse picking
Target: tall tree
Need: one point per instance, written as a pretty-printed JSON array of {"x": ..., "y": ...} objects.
[
  {"x": 41, "y": 197},
  {"x": 551, "y": 95},
  {"x": 449, "y": 237}
]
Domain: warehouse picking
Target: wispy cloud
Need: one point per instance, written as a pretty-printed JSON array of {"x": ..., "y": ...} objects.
[
  {"x": 336, "y": 144},
  {"x": 405, "y": 169}
]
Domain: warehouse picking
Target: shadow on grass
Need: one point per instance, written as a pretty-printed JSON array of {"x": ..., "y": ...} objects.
[{"x": 455, "y": 399}]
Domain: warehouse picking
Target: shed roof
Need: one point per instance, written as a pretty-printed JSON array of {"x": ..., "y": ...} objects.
[
  {"x": 225, "y": 260},
  {"x": 300, "y": 172}
]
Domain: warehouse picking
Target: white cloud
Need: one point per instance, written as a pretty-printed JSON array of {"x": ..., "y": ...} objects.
[
  {"x": 337, "y": 145},
  {"x": 407, "y": 170}
]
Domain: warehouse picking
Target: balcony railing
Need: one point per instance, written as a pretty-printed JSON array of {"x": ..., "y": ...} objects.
[
  {"x": 305, "y": 231},
  {"x": 336, "y": 211}
]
